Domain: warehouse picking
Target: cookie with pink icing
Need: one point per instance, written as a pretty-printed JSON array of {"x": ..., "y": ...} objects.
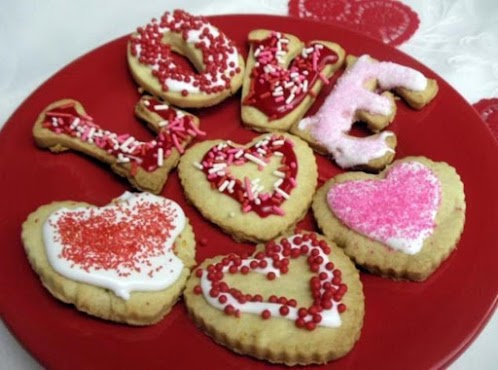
[
  {"x": 402, "y": 223},
  {"x": 65, "y": 125},
  {"x": 355, "y": 98},
  {"x": 297, "y": 300}
]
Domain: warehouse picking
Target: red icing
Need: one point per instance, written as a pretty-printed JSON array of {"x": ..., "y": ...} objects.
[
  {"x": 117, "y": 238},
  {"x": 326, "y": 290},
  {"x": 174, "y": 136},
  {"x": 391, "y": 22},
  {"x": 296, "y": 80},
  {"x": 225, "y": 156},
  {"x": 148, "y": 46},
  {"x": 488, "y": 110}
]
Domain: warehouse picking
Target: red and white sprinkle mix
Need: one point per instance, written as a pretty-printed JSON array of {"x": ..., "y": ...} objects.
[
  {"x": 250, "y": 193},
  {"x": 275, "y": 89},
  {"x": 177, "y": 131},
  {"x": 220, "y": 57},
  {"x": 326, "y": 286}
]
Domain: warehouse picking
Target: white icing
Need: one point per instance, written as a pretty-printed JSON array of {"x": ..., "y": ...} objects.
[
  {"x": 330, "y": 317},
  {"x": 122, "y": 286}
]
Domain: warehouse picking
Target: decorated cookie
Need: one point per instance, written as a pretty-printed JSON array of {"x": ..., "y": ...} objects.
[
  {"x": 297, "y": 300},
  {"x": 402, "y": 223},
  {"x": 283, "y": 77},
  {"x": 253, "y": 192},
  {"x": 127, "y": 261},
  {"x": 65, "y": 125},
  {"x": 220, "y": 67},
  {"x": 355, "y": 98}
]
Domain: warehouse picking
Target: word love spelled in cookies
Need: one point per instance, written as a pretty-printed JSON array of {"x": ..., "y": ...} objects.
[
  {"x": 402, "y": 223},
  {"x": 65, "y": 125},
  {"x": 151, "y": 58},
  {"x": 253, "y": 192},
  {"x": 283, "y": 77},
  {"x": 354, "y": 98},
  {"x": 297, "y": 300},
  {"x": 127, "y": 261}
]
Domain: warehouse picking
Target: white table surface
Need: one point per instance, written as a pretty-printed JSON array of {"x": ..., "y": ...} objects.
[{"x": 40, "y": 37}]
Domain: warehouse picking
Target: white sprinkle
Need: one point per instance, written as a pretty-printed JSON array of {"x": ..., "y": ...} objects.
[
  {"x": 261, "y": 151},
  {"x": 180, "y": 114},
  {"x": 239, "y": 154},
  {"x": 221, "y": 146},
  {"x": 278, "y": 142},
  {"x": 278, "y": 183},
  {"x": 217, "y": 167},
  {"x": 91, "y": 132},
  {"x": 278, "y": 154},
  {"x": 223, "y": 186},
  {"x": 163, "y": 123},
  {"x": 122, "y": 158},
  {"x": 160, "y": 157},
  {"x": 288, "y": 84},
  {"x": 279, "y": 174},
  {"x": 257, "y": 201},
  {"x": 146, "y": 103},
  {"x": 277, "y": 93},
  {"x": 230, "y": 186},
  {"x": 305, "y": 85},
  {"x": 75, "y": 122},
  {"x": 290, "y": 98},
  {"x": 284, "y": 41},
  {"x": 54, "y": 122},
  {"x": 127, "y": 142},
  {"x": 198, "y": 165},
  {"x": 161, "y": 107},
  {"x": 282, "y": 193},
  {"x": 254, "y": 159}
]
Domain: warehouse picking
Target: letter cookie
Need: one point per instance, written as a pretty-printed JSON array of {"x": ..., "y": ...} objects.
[
  {"x": 253, "y": 192},
  {"x": 353, "y": 99},
  {"x": 283, "y": 77},
  {"x": 65, "y": 125},
  {"x": 152, "y": 63},
  {"x": 402, "y": 223},
  {"x": 316, "y": 317},
  {"x": 126, "y": 262}
]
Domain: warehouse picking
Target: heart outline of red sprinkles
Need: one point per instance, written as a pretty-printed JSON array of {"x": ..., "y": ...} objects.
[
  {"x": 326, "y": 286},
  {"x": 249, "y": 193}
]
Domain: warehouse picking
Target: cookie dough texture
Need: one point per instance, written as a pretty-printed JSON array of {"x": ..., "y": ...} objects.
[
  {"x": 277, "y": 339},
  {"x": 382, "y": 260},
  {"x": 143, "y": 307},
  {"x": 257, "y": 120},
  {"x": 227, "y": 212}
]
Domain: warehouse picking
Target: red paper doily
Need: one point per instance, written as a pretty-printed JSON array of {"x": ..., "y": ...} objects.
[
  {"x": 488, "y": 110},
  {"x": 391, "y": 22}
]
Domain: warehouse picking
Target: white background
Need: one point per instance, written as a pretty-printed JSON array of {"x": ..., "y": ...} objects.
[{"x": 458, "y": 39}]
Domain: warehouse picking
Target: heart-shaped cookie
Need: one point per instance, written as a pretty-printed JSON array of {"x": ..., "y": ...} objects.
[
  {"x": 402, "y": 223},
  {"x": 253, "y": 192},
  {"x": 297, "y": 300},
  {"x": 127, "y": 261}
]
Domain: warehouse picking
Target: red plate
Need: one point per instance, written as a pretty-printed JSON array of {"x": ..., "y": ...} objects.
[{"x": 407, "y": 325}]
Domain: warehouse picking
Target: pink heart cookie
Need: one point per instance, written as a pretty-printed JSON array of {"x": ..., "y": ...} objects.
[
  {"x": 402, "y": 223},
  {"x": 299, "y": 288},
  {"x": 253, "y": 192}
]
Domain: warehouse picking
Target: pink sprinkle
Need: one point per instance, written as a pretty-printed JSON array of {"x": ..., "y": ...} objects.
[
  {"x": 230, "y": 159},
  {"x": 323, "y": 78},
  {"x": 292, "y": 182},
  {"x": 247, "y": 183},
  {"x": 239, "y": 162},
  {"x": 84, "y": 136},
  {"x": 196, "y": 129},
  {"x": 246, "y": 208},
  {"x": 279, "y": 99},
  {"x": 278, "y": 211},
  {"x": 177, "y": 144}
]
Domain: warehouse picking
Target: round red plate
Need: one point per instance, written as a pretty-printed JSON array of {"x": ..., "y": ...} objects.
[{"x": 407, "y": 325}]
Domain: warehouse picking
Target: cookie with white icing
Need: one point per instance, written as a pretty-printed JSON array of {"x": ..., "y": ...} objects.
[
  {"x": 126, "y": 262},
  {"x": 402, "y": 223},
  {"x": 355, "y": 98},
  {"x": 65, "y": 125},
  {"x": 253, "y": 192},
  {"x": 283, "y": 77},
  {"x": 296, "y": 300},
  {"x": 220, "y": 66}
]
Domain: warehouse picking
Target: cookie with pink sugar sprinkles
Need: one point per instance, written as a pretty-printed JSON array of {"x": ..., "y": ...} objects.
[{"x": 402, "y": 223}]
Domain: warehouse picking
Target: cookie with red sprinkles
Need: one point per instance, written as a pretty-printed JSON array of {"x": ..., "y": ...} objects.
[
  {"x": 402, "y": 223},
  {"x": 126, "y": 262},
  {"x": 253, "y": 192},
  {"x": 298, "y": 300},
  {"x": 65, "y": 125},
  {"x": 283, "y": 77},
  {"x": 153, "y": 59}
]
